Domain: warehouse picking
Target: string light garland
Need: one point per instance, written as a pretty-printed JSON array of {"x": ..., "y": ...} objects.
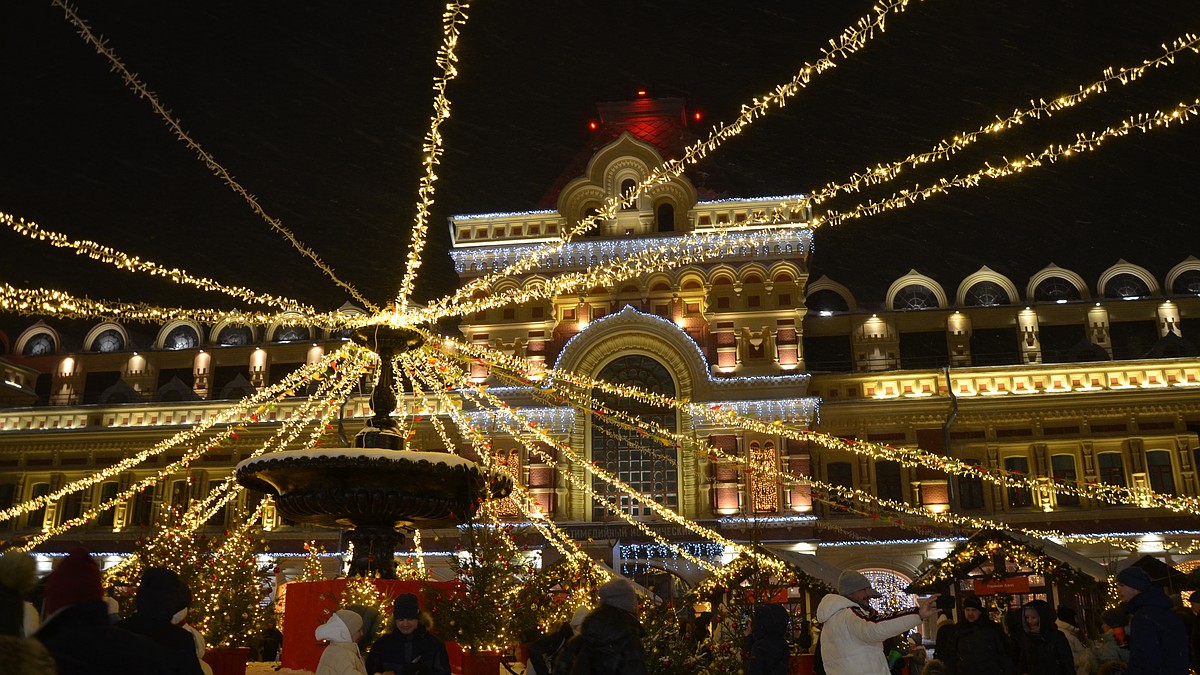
[
  {"x": 851, "y": 40},
  {"x": 523, "y": 431},
  {"x": 945, "y": 149},
  {"x": 453, "y": 18},
  {"x": 143, "y": 92},
  {"x": 985, "y": 547},
  {"x": 51, "y": 302},
  {"x": 232, "y": 415},
  {"x": 124, "y": 261},
  {"x": 198, "y": 513}
]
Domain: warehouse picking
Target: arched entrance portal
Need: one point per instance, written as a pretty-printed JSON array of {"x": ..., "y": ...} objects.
[{"x": 644, "y": 465}]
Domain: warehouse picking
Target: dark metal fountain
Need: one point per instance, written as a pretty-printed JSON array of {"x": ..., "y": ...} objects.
[{"x": 375, "y": 488}]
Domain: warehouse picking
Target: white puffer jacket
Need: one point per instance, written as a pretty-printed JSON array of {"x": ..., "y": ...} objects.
[{"x": 852, "y": 640}]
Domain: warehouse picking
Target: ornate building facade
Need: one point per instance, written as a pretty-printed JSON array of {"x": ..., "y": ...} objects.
[{"x": 1052, "y": 377}]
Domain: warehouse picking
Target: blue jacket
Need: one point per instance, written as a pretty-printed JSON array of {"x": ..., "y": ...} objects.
[{"x": 1158, "y": 642}]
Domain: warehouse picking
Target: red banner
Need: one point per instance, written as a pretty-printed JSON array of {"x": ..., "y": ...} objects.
[
  {"x": 1012, "y": 585},
  {"x": 309, "y": 605}
]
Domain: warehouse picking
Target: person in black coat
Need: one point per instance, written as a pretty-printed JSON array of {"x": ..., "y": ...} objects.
[
  {"x": 76, "y": 629},
  {"x": 610, "y": 639},
  {"x": 768, "y": 641},
  {"x": 409, "y": 649},
  {"x": 978, "y": 644},
  {"x": 1158, "y": 642},
  {"x": 161, "y": 603},
  {"x": 1044, "y": 649}
]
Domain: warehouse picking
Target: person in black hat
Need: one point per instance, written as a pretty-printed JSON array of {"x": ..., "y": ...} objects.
[
  {"x": 161, "y": 603},
  {"x": 1158, "y": 643},
  {"x": 409, "y": 649},
  {"x": 978, "y": 644}
]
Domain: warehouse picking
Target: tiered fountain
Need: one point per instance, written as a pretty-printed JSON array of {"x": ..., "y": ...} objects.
[{"x": 375, "y": 488}]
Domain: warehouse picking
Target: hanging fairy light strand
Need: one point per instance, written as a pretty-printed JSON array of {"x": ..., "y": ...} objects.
[
  {"x": 51, "y": 302},
  {"x": 851, "y": 40},
  {"x": 517, "y": 369},
  {"x": 545, "y": 527},
  {"x": 701, "y": 246},
  {"x": 944, "y": 149},
  {"x": 143, "y": 92},
  {"x": 453, "y": 18},
  {"x": 231, "y": 415},
  {"x": 111, "y": 256},
  {"x": 529, "y": 435}
]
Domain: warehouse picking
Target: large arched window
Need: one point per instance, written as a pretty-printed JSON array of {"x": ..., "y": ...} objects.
[
  {"x": 1126, "y": 287},
  {"x": 1055, "y": 289},
  {"x": 915, "y": 296},
  {"x": 986, "y": 294},
  {"x": 645, "y": 466},
  {"x": 665, "y": 214}
]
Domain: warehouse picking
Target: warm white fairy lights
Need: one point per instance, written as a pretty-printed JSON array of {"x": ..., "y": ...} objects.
[
  {"x": 111, "y": 256},
  {"x": 143, "y": 92},
  {"x": 51, "y": 302},
  {"x": 232, "y": 415},
  {"x": 453, "y": 18},
  {"x": 851, "y": 40}
]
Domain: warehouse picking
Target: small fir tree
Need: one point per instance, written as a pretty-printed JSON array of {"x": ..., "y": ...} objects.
[
  {"x": 477, "y": 610},
  {"x": 233, "y": 588},
  {"x": 668, "y": 649}
]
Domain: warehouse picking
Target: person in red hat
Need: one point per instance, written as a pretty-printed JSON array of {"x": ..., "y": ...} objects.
[{"x": 76, "y": 629}]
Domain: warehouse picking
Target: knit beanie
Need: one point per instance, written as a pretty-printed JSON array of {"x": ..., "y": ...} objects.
[
  {"x": 972, "y": 601},
  {"x": 619, "y": 593},
  {"x": 162, "y": 593},
  {"x": 75, "y": 580},
  {"x": 406, "y": 607},
  {"x": 1135, "y": 578},
  {"x": 351, "y": 618}
]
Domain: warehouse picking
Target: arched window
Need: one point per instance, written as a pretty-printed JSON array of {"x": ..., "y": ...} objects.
[
  {"x": 234, "y": 336},
  {"x": 1187, "y": 283},
  {"x": 666, "y": 217},
  {"x": 1126, "y": 287},
  {"x": 1055, "y": 289},
  {"x": 649, "y": 468},
  {"x": 594, "y": 230},
  {"x": 110, "y": 340},
  {"x": 826, "y": 301},
  {"x": 986, "y": 294},
  {"x": 38, "y": 345},
  {"x": 628, "y": 186},
  {"x": 182, "y": 337},
  {"x": 1064, "y": 470},
  {"x": 291, "y": 334},
  {"x": 915, "y": 296}
]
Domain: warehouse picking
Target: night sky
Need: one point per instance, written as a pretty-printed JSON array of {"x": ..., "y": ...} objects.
[{"x": 319, "y": 109}]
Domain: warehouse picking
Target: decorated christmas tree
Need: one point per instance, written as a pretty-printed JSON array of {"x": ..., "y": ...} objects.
[
  {"x": 668, "y": 650},
  {"x": 551, "y": 595},
  {"x": 313, "y": 570},
  {"x": 477, "y": 610},
  {"x": 167, "y": 546},
  {"x": 362, "y": 595},
  {"x": 233, "y": 588}
]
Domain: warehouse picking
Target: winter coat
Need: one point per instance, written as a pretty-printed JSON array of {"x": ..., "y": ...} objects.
[
  {"x": 161, "y": 595},
  {"x": 978, "y": 648},
  {"x": 1079, "y": 653},
  {"x": 1046, "y": 652},
  {"x": 1158, "y": 643},
  {"x": 1105, "y": 648},
  {"x": 852, "y": 637},
  {"x": 543, "y": 649},
  {"x": 83, "y": 642},
  {"x": 419, "y": 653},
  {"x": 768, "y": 641},
  {"x": 341, "y": 655},
  {"x": 24, "y": 656},
  {"x": 609, "y": 643}
]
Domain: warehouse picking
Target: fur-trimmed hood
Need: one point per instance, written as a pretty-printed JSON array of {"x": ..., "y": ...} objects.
[{"x": 24, "y": 656}]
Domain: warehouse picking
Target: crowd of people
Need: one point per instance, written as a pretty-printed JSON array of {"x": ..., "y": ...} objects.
[{"x": 79, "y": 631}]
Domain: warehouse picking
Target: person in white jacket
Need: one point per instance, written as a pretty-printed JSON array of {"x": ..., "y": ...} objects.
[
  {"x": 341, "y": 656},
  {"x": 853, "y": 633}
]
